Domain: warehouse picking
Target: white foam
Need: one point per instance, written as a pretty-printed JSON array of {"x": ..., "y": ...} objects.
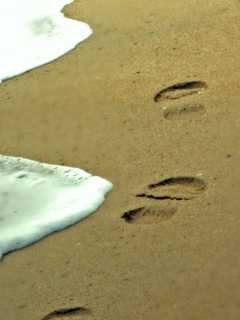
[
  {"x": 35, "y": 32},
  {"x": 37, "y": 199}
]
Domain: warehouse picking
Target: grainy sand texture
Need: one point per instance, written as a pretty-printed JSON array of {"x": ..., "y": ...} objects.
[{"x": 150, "y": 102}]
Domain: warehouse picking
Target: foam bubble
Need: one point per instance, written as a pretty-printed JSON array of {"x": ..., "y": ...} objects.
[
  {"x": 37, "y": 199},
  {"x": 35, "y": 32}
]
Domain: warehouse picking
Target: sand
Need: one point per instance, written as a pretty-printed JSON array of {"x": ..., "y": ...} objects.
[{"x": 94, "y": 108}]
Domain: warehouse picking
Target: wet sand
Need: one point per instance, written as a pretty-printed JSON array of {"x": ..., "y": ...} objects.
[{"x": 178, "y": 158}]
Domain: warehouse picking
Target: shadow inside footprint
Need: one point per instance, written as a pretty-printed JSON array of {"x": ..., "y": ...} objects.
[
  {"x": 180, "y": 90},
  {"x": 186, "y": 111},
  {"x": 179, "y": 188},
  {"x": 148, "y": 214},
  {"x": 63, "y": 313}
]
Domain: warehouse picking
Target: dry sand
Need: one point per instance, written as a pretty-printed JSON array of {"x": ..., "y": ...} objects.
[{"x": 94, "y": 109}]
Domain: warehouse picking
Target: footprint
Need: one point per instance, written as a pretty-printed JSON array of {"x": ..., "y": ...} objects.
[
  {"x": 186, "y": 111},
  {"x": 180, "y": 90},
  {"x": 180, "y": 188},
  {"x": 64, "y": 313},
  {"x": 148, "y": 214}
]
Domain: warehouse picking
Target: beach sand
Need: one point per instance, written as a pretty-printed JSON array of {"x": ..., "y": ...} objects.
[{"x": 94, "y": 109}]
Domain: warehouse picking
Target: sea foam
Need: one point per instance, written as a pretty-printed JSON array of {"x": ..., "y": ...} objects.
[
  {"x": 37, "y": 199},
  {"x": 35, "y": 32}
]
